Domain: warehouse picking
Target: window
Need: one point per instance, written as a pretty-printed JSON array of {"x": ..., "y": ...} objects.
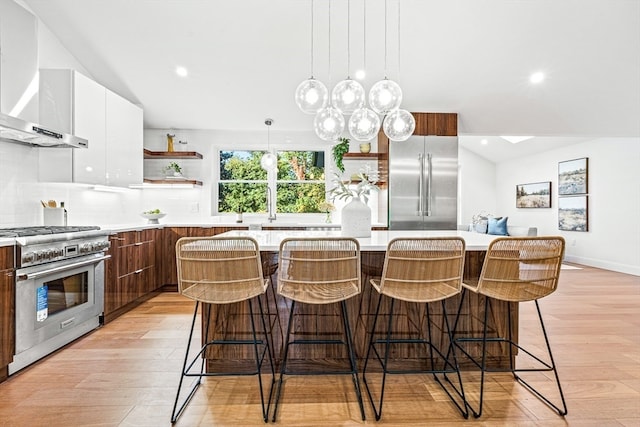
[{"x": 298, "y": 187}]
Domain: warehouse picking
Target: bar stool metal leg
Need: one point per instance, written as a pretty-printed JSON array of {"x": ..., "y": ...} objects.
[{"x": 447, "y": 367}]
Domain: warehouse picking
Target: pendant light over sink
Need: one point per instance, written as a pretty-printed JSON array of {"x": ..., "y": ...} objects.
[{"x": 269, "y": 161}]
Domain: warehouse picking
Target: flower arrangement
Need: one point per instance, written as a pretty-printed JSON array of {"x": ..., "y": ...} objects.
[
  {"x": 327, "y": 208},
  {"x": 366, "y": 183}
]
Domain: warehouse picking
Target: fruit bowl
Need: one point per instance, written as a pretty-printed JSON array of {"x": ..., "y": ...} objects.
[{"x": 152, "y": 217}]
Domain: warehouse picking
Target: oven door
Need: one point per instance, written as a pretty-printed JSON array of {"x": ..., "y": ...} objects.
[{"x": 55, "y": 304}]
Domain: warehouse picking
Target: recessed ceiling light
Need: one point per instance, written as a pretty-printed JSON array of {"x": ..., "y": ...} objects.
[
  {"x": 181, "y": 71},
  {"x": 536, "y": 77},
  {"x": 515, "y": 139},
  {"x": 484, "y": 142}
]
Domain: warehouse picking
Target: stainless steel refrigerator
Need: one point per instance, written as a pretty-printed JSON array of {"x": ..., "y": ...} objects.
[{"x": 423, "y": 183}]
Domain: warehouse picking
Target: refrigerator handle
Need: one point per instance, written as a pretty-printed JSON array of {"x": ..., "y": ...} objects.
[
  {"x": 421, "y": 186},
  {"x": 427, "y": 208}
]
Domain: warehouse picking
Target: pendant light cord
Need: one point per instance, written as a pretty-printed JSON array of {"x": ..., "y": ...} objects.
[
  {"x": 385, "y": 39},
  {"x": 398, "y": 40},
  {"x": 311, "y": 39},
  {"x": 348, "y": 39},
  {"x": 329, "y": 49},
  {"x": 364, "y": 35}
]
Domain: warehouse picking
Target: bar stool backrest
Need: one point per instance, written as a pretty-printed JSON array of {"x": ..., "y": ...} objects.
[
  {"x": 219, "y": 270},
  {"x": 423, "y": 269},
  {"x": 319, "y": 270},
  {"x": 521, "y": 268}
]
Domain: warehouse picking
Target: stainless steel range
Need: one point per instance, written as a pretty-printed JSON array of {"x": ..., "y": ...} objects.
[{"x": 59, "y": 287}]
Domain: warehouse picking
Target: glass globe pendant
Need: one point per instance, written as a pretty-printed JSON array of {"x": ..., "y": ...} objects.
[
  {"x": 364, "y": 124},
  {"x": 269, "y": 161},
  {"x": 347, "y": 96},
  {"x": 399, "y": 125},
  {"x": 311, "y": 96},
  {"x": 329, "y": 124},
  {"x": 385, "y": 96}
]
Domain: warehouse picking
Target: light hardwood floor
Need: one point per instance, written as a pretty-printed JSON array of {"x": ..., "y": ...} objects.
[{"x": 126, "y": 373}]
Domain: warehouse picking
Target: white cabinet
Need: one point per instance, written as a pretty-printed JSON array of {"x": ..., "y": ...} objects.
[
  {"x": 74, "y": 103},
  {"x": 124, "y": 130}
]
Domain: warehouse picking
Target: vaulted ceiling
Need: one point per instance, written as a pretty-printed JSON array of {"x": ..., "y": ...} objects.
[{"x": 474, "y": 57}]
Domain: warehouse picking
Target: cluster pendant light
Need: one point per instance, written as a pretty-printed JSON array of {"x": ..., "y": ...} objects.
[{"x": 348, "y": 99}]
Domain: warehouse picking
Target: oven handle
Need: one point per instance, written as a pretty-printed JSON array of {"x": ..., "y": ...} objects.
[{"x": 35, "y": 275}]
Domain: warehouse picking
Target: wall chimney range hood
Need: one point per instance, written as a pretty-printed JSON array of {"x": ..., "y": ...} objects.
[{"x": 17, "y": 130}]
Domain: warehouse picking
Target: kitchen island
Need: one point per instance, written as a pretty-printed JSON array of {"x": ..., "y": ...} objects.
[{"x": 324, "y": 320}]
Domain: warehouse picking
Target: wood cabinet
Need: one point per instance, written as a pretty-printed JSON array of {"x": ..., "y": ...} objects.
[
  {"x": 142, "y": 262},
  {"x": 73, "y": 103},
  {"x": 132, "y": 270},
  {"x": 7, "y": 309},
  {"x": 171, "y": 236},
  {"x": 166, "y": 155},
  {"x": 441, "y": 124}
]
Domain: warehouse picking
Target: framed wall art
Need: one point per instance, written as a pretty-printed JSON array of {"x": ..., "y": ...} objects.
[
  {"x": 573, "y": 213},
  {"x": 573, "y": 177},
  {"x": 534, "y": 195}
]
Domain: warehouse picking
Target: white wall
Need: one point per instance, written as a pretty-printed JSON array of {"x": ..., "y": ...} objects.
[
  {"x": 477, "y": 186},
  {"x": 613, "y": 239}
]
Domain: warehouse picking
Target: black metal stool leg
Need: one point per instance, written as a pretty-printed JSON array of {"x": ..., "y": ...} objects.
[
  {"x": 283, "y": 363},
  {"x": 352, "y": 358},
  {"x": 551, "y": 367},
  {"x": 175, "y": 413},
  {"x": 371, "y": 346},
  {"x": 259, "y": 359}
]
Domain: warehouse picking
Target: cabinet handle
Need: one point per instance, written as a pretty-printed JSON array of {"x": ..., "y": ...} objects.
[
  {"x": 138, "y": 243},
  {"x": 138, "y": 271},
  {"x": 10, "y": 274}
]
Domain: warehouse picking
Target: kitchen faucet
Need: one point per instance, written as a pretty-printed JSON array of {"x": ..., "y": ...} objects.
[{"x": 270, "y": 210}]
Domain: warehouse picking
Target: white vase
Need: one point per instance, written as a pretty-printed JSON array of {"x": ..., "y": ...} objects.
[{"x": 356, "y": 219}]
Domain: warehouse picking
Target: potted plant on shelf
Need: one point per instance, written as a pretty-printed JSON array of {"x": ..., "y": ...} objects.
[
  {"x": 173, "y": 169},
  {"x": 339, "y": 150}
]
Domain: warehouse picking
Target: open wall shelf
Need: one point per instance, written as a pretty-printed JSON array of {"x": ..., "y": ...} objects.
[{"x": 148, "y": 154}]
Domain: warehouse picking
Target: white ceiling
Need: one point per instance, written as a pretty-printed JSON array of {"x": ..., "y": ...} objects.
[{"x": 474, "y": 57}]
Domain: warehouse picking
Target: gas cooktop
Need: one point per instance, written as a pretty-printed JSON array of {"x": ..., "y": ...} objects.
[{"x": 39, "y": 230}]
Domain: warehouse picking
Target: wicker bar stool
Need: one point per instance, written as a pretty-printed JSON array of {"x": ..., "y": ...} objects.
[
  {"x": 319, "y": 271},
  {"x": 516, "y": 269},
  {"x": 418, "y": 271},
  {"x": 222, "y": 270}
]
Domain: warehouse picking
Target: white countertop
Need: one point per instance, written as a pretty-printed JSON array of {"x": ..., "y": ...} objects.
[
  {"x": 7, "y": 241},
  {"x": 269, "y": 240}
]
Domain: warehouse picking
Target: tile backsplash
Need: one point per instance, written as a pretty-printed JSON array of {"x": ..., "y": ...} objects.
[{"x": 20, "y": 195}]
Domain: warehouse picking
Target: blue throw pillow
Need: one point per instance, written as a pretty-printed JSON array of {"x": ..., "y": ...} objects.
[{"x": 498, "y": 226}]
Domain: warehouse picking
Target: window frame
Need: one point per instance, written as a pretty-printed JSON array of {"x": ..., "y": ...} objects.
[{"x": 271, "y": 180}]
